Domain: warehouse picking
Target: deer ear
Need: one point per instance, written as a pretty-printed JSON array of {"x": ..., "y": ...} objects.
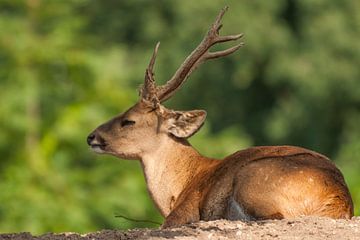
[{"x": 185, "y": 124}]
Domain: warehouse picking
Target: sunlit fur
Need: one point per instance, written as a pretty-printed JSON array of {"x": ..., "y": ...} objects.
[
  {"x": 263, "y": 182},
  {"x": 270, "y": 182}
]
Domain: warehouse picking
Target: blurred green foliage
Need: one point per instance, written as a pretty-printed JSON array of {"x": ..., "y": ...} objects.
[{"x": 67, "y": 66}]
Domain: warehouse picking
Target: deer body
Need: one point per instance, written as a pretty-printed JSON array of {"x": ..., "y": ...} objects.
[
  {"x": 257, "y": 183},
  {"x": 264, "y": 183}
]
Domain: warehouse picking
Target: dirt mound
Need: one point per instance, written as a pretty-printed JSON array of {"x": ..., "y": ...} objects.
[{"x": 302, "y": 228}]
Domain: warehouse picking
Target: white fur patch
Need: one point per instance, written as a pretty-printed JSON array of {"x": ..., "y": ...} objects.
[{"x": 97, "y": 149}]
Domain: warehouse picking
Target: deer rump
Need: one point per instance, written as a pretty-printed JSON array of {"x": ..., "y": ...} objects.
[{"x": 268, "y": 182}]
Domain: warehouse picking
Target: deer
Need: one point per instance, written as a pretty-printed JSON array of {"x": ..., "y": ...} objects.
[{"x": 258, "y": 183}]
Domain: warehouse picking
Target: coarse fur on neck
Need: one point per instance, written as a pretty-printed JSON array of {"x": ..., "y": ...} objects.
[{"x": 163, "y": 183}]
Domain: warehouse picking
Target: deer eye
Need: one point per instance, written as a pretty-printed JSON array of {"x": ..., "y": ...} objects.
[{"x": 126, "y": 122}]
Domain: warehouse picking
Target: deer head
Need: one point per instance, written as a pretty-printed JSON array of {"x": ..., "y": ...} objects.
[{"x": 148, "y": 124}]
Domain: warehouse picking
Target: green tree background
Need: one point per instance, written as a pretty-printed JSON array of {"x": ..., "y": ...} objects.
[{"x": 67, "y": 66}]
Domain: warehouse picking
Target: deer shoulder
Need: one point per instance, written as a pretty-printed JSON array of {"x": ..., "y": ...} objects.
[{"x": 257, "y": 183}]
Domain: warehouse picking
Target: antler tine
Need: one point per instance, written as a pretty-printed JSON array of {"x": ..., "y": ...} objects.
[
  {"x": 148, "y": 90},
  {"x": 199, "y": 55},
  {"x": 153, "y": 57},
  {"x": 217, "y": 54}
]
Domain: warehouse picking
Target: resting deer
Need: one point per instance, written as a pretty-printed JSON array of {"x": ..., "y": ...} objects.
[{"x": 268, "y": 182}]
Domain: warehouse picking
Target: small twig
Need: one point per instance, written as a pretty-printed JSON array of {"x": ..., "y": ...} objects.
[{"x": 136, "y": 220}]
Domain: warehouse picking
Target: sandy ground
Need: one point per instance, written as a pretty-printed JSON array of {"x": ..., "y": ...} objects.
[{"x": 302, "y": 228}]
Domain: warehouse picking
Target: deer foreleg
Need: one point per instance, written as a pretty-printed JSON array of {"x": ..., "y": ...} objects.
[{"x": 185, "y": 212}]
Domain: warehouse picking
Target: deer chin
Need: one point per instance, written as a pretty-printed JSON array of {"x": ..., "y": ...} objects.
[
  {"x": 124, "y": 156},
  {"x": 107, "y": 149}
]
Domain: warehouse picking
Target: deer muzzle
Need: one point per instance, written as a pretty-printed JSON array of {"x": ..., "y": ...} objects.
[{"x": 96, "y": 142}]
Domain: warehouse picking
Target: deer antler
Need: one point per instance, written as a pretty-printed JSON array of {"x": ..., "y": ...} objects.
[
  {"x": 151, "y": 93},
  {"x": 198, "y": 56},
  {"x": 148, "y": 90}
]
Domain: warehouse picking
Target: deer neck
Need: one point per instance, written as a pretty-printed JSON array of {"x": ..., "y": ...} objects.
[{"x": 169, "y": 169}]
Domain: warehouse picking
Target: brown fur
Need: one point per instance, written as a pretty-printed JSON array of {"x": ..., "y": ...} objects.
[
  {"x": 269, "y": 182},
  {"x": 256, "y": 183},
  {"x": 265, "y": 182}
]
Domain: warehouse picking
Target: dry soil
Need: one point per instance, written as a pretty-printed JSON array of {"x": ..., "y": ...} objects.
[{"x": 302, "y": 228}]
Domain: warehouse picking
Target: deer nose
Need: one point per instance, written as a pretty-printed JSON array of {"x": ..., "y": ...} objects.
[{"x": 90, "y": 138}]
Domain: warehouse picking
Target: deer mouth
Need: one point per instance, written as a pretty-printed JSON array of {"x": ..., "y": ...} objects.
[{"x": 98, "y": 148}]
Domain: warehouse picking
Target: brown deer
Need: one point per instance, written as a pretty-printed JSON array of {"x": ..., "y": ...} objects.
[{"x": 268, "y": 182}]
